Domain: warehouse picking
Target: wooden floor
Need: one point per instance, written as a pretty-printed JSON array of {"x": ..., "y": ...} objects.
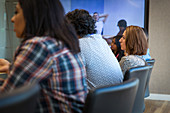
[{"x": 157, "y": 106}]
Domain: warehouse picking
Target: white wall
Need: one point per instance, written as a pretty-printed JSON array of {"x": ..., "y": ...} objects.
[
  {"x": 11, "y": 40},
  {"x": 159, "y": 44},
  {"x": 2, "y": 29}
]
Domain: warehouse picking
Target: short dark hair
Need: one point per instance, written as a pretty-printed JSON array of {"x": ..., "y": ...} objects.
[
  {"x": 95, "y": 13},
  {"x": 122, "y": 23},
  {"x": 82, "y": 21},
  {"x": 46, "y": 18},
  {"x": 136, "y": 41}
]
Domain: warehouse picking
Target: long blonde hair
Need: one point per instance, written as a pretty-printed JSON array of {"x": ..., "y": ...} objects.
[{"x": 136, "y": 41}]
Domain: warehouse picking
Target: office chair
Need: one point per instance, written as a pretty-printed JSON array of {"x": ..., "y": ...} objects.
[
  {"x": 112, "y": 99},
  {"x": 20, "y": 100},
  {"x": 150, "y": 62},
  {"x": 141, "y": 73}
]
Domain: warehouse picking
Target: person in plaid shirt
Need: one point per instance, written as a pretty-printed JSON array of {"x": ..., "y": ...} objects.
[{"x": 47, "y": 55}]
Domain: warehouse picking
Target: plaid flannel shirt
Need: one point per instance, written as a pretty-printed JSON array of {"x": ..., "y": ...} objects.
[{"x": 60, "y": 74}]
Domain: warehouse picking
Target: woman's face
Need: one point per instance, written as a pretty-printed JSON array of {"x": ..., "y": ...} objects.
[
  {"x": 19, "y": 21},
  {"x": 114, "y": 46},
  {"x": 122, "y": 41}
]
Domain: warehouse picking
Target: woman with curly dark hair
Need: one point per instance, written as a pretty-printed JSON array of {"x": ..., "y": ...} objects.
[
  {"x": 83, "y": 23},
  {"x": 101, "y": 65}
]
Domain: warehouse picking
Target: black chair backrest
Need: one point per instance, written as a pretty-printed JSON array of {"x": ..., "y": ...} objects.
[
  {"x": 20, "y": 100},
  {"x": 150, "y": 62},
  {"x": 141, "y": 73},
  {"x": 112, "y": 99}
]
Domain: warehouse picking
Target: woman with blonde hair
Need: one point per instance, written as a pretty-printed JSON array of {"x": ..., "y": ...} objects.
[{"x": 134, "y": 43}]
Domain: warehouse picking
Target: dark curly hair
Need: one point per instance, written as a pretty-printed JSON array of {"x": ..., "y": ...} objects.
[{"x": 82, "y": 21}]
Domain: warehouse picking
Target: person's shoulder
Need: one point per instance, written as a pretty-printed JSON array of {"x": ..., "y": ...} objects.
[
  {"x": 33, "y": 41},
  {"x": 45, "y": 42},
  {"x": 132, "y": 57},
  {"x": 98, "y": 39},
  {"x": 136, "y": 59},
  {"x": 96, "y": 36},
  {"x": 129, "y": 58},
  {"x": 37, "y": 39},
  {"x": 125, "y": 58},
  {"x": 91, "y": 37},
  {"x": 84, "y": 43},
  {"x": 84, "y": 40}
]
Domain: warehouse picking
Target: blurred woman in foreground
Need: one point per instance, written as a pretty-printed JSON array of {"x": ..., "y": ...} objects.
[{"x": 48, "y": 56}]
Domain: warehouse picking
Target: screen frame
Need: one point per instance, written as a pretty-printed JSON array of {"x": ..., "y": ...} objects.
[{"x": 146, "y": 15}]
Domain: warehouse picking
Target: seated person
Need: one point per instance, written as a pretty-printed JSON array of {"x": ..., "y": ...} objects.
[
  {"x": 116, "y": 49},
  {"x": 134, "y": 44},
  {"x": 101, "y": 65},
  {"x": 122, "y": 24},
  {"x": 48, "y": 55}
]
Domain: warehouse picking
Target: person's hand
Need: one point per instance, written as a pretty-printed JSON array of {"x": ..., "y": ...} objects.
[{"x": 4, "y": 65}]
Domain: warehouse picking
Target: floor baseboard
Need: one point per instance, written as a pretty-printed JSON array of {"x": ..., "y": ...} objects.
[{"x": 164, "y": 97}]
